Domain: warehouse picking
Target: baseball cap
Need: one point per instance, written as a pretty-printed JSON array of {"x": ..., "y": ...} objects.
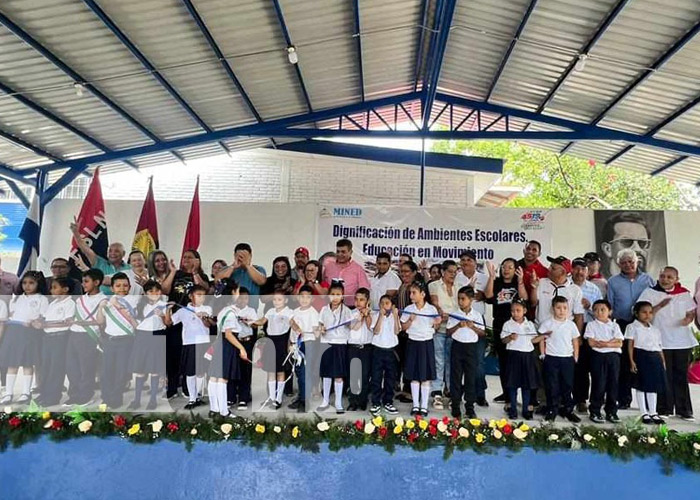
[
  {"x": 562, "y": 261},
  {"x": 579, "y": 261},
  {"x": 469, "y": 253},
  {"x": 302, "y": 250},
  {"x": 592, "y": 257}
]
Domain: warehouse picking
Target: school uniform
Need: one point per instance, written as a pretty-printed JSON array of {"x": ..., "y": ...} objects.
[
  {"x": 118, "y": 344},
  {"x": 464, "y": 359},
  {"x": 334, "y": 348},
  {"x": 53, "y": 349},
  {"x": 307, "y": 320},
  {"x": 380, "y": 284},
  {"x": 82, "y": 351},
  {"x": 359, "y": 350},
  {"x": 226, "y": 362},
  {"x": 385, "y": 364},
  {"x": 521, "y": 370},
  {"x": 420, "y": 351},
  {"x": 559, "y": 364},
  {"x": 195, "y": 339},
  {"x": 278, "y": 325},
  {"x": 3, "y": 319},
  {"x": 650, "y": 376},
  {"x": 605, "y": 366},
  {"x": 547, "y": 290},
  {"x": 678, "y": 342},
  {"x": 20, "y": 341},
  {"x": 149, "y": 344},
  {"x": 480, "y": 280},
  {"x": 241, "y": 389}
]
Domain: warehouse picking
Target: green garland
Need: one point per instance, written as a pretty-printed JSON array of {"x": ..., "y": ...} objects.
[{"x": 622, "y": 442}]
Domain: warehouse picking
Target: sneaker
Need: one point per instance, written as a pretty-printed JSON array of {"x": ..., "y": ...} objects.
[
  {"x": 596, "y": 418},
  {"x": 482, "y": 402},
  {"x": 612, "y": 418},
  {"x": 415, "y": 411},
  {"x": 67, "y": 404},
  {"x": 656, "y": 419},
  {"x": 646, "y": 419},
  {"x": 573, "y": 418},
  {"x": 687, "y": 418},
  {"x": 375, "y": 410},
  {"x": 437, "y": 402},
  {"x": 391, "y": 409},
  {"x": 424, "y": 412},
  {"x": 7, "y": 398},
  {"x": 501, "y": 398},
  {"x": 242, "y": 406},
  {"x": 582, "y": 408}
]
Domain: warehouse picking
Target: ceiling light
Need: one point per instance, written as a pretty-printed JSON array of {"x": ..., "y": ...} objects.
[
  {"x": 292, "y": 54},
  {"x": 581, "y": 63},
  {"x": 79, "y": 89}
]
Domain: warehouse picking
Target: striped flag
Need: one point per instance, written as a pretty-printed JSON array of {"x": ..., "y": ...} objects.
[
  {"x": 146, "y": 237},
  {"x": 192, "y": 232},
  {"x": 31, "y": 234}
]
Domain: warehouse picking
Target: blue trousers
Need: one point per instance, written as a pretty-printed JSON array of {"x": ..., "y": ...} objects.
[
  {"x": 385, "y": 369},
  {"x": 481, "y": 368}
]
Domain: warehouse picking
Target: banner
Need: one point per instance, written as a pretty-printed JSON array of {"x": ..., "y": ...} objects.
[
  {"x": 92, "y": 224},
  {"x": 433, "y": 234},
  {"x": 146, "y": 237},
  {"x": 191, "y": 241}
]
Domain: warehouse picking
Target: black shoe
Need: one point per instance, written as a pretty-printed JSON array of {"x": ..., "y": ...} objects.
[
  {"x": 391, "y": 409},
  {"x": 294, "y": 405},
  {"x": 152, "y": 404},
  {"x": 242, "y": 406},
  {"x": 415, "y": 411},
  {"x": 302, "y": 407},
  {"x": 276, "y": 405},
  {"x": 612, "y": 418},
  {"x": 133, "y": 406},
  {"x": 646, "y": 419},
  {"x": 375, "y": 410},
  {"x": 501, "y": 398},
  {"x": 527, "y": 415},
  {"x": 456, "y": 413},
  {"x": 402, "y": 398},
  {"x": 656, "y": 419},
  {"x": 340, "y": 411},
  {"x": 469, "y": 413},
  {"x": 352, "y": 407},
  {"x": 424, "y": 412},
  {"x": 363, "y": 407},
  {"x": 623, "y": 406},
  {"x": 687, "y": 418},
  {"x": 191, "y": 405},
  {"x": 512, "y": 415},
  {"x": 573, "y": 418},
  {"x": 550, "y": 416},
  {"x": 482, "y": 402},
  {"x": 541, "y": 410},
  {"x": 199, "y": 402},
  {"x": 213, "y": 414},
  {"x": 596, "y": 418}
]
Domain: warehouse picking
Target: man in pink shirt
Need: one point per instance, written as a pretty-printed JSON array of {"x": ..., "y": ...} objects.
[{"x": 346, "y": 270}]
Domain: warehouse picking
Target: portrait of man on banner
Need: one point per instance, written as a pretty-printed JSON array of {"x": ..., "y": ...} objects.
[{"x": 641, "y": 231}]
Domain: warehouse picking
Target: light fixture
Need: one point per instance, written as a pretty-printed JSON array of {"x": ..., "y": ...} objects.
[
  {"x": 581, "y": 63},
  {"x": 292, "y": 54},
  {"x": 79, "y": 89}
]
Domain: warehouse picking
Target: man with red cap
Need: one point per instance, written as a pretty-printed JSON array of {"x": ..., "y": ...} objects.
[
  {"x": 301, "y": 257},
  {"x": 558, "y": 283}
]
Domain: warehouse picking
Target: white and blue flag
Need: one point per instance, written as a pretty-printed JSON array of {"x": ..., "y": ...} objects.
[{"x": 30, "y": 234}]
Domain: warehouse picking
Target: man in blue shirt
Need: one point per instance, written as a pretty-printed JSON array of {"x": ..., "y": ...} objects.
[
  {"x": 244, "y": 273},
  {"x": 624, "y": 290}
]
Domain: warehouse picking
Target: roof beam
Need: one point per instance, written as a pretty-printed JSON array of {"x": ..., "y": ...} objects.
[
  {"x": 510, "y": 48},
  {"x": 78, "y": 78},
  {"x": 18, "y": 192},
  {"x": 358, "y": 37},
  {"x": 646, "y": 73},
  {"x": 609, "y": 19},
  {"x": 28, "y": 146},
  {"x": 116, "y": 31},
  {"x": 445, "y": 13},
  {"x": 421, "y": 42},
  {"x": 288, "y": 41},
  {"x": 669, "y": 165},
  {"x": 7, "y": 172}
]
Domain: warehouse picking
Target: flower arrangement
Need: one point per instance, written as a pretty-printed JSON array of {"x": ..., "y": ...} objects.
[{"x": 420, "y": 433}]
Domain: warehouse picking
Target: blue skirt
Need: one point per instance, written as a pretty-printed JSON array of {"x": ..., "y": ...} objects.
[
  {"x": 273, "y": 358},
  {"x": 420, "y": 360},
  {"x": 521, "y": 371},
  {"x": 334, "y": 361},
  {"x": 149, "y": 352},
  {"x": 650, "y": 376},
  {"x": 19, "y": 346},
  {"x": 225, "y": 362}
]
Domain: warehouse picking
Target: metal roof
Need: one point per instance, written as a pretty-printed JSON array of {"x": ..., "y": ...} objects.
[{"x": 99, "y": 80}]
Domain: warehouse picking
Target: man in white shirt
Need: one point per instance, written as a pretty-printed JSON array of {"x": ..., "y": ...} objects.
[
  {"x": 384, "y": 282},
  {"x": 443, "y": 295},
  {"x": 674, "y": 311},
  {"x": 557, "y": 284}
]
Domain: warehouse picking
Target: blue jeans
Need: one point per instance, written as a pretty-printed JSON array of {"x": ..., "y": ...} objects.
[
  {"x": 480, "y": 368},
  {"x": 300, "y": 372},
  {"x": 443, "y": 346}
]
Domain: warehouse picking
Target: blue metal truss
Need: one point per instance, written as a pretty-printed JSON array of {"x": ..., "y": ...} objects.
[
  {"x": 358, "y": 37},
  {"x": 28, "y": 146},
  {"x": 15, "y": 175},
  {"x": 111, "y": 25},
  {"x": 421, "y": 41},
  {"x": 288, "y": 41},
  {"x": 18, "y": 192},
  {"x": 444, "y": 12},
  {"x": 511, "y": 46},
  {"x": 77, "y": 78}
]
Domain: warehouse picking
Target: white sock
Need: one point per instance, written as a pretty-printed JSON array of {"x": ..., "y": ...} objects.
[
  {"x": 192, "y": 387},
  {"x": 213, "y": 396},
  {"x": 339, "y": 394},
  {"x": 200, "y": 386},
  {"x": 326, "y": 390},
  {"x": 271, "y": 389},
  {"x": 280, "y": 391},
  {"x": 223, "y": 398},
  {"x": 424, "y": 395},
  {"x": 651, "y": 403},
  {"x": 27, "y": 384},
  {"x": 10, "y": 383},
  {"x": 641, "y": 402},
  {"x": 415, "y": 391}
]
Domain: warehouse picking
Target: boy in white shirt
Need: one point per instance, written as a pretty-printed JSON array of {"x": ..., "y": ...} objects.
[
  {"x": 304, "y": 324},
  {"x": 247, "y": 316},
  {"x": 386, "y": 328},
  {"x": 385, "y": 282},
  {"x": 360, "y": 348},
  {"x": 560, "y": 350}
]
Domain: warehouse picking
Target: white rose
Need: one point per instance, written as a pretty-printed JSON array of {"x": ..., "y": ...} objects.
[
  {"x": 497, "y": 434},
  {"x": 398, "y": 422},
  {"x": 520, "y": 434},
  {"x": 193, "y": 432},
  {"x": 323, "y": 426},
  {"x": 463, "y": 432},
  {"x": 621, "y": 441},
  {"x": 441, "y": 426},
  {"x": 48, "y": 424},
  {"x": 553, "y": 437},
  {"x": 226, "y": 428},
  {"x": 587, "y": 438},
  {"x": 651, "y": 440},
  {"x": 369, "y": 428},
  {"x": 85, "y": 426},
  {"x": 277, "y": 429},
  {"x": 696, "y": 446},
  {"x": 8, "y": 410}
]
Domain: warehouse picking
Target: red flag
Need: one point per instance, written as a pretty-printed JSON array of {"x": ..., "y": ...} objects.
[
  {"x": 91, "y": 220},
  {"x": 192, "y": 232},
  {"x": 146, "y": 237}
]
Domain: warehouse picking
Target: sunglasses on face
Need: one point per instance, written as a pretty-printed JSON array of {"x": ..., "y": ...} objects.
[{"x": 644, "y": 244}]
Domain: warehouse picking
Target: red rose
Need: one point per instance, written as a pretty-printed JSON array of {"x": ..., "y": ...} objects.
[
  {"x": 412, "y": 437},
  {"x": 433, "y": 421},
  {"x": 15, "y": 422},
  {"x": 119, "y": 421},
  {"x": 359, "y": 425},
  {"x": 382, "y": 432},
  {"x": 507, "y": 429},
  {"x": 454, "y": 433},
  {"x": 57, "y": 425},
  {"x": 432, "y": 430},
  {"x": 173, "y": 427},
  {"x": 456, "y": 421},
  {"x": 445, "y": 420}
]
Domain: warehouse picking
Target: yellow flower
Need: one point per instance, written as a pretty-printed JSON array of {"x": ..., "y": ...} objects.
[
  {"x": 134, "y": 429},
  {"x": 193, "y": 432},
  {"x": 441, "y": 426},
  {"x": 475, "y": 422},
  {"x": 226, "y": 428},
  {"x": 48, "y": 424},
  {"x": 519, "y": 434},
  {"x": 399, "y": 421},
  {"x": 156, "y": 426},
  {"x": 398, "y": 429},
  {"x": 497, "y": 434},
  {"x": 463, "y": 432},
  {"x": 524, "y": 427},
  {"x": 85, "y": 426},
  {"x": 423, "y": 424},
  {"x": 492, "y": 424},
  {"x": 369, "y": 428},
  {"x": 277, "y": 429},
  {"x": 502, "y": 423},
  {"x": 295, "y": 432},
  {"x": 480, "y": 438},
  {"x": 260, "y": 429},
  {"x": 410, "y": 424},
  {"x": 378, "y": 421},
  {"x": 102, "y": 407},
  {"x": 323, "y": 426},
  {"x": 46, "y": 415}
]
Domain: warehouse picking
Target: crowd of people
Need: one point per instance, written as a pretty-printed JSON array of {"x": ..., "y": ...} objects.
[{"x": 568, "y": 341}]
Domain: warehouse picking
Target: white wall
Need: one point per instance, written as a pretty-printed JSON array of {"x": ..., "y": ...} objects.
[{"x": 278, "y": 228}]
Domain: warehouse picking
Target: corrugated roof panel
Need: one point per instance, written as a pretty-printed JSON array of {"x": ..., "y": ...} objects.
[
  {"x": 685, "y": 128},
  {"x": 686, "y": 171},
  {"x": 18, "y": 157},
  {"x": 599, "y": 151},
  {"x": 391, "y": 29},
  {"x": 645, "y": 160},
  {"x": 249, "y": 35}
]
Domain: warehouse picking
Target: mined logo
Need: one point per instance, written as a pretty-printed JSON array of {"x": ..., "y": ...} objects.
[
  {"x": 347, "y": 212},
  {"x": 533, "y": 219}
]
